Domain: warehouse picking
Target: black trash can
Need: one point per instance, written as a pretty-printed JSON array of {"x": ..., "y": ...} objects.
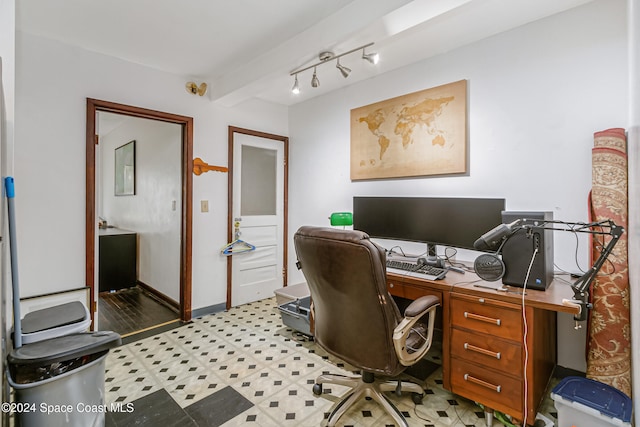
[{"x": 60, "y": 381}]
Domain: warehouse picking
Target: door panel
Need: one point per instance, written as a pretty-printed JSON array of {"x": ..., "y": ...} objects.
[
  {"x": 260, "y": 233},
  {"x": 254, "y": 277}
]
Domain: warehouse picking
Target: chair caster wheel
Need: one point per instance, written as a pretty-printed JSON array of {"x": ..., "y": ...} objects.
[
  {"x": 417, "y": 398},
  {"x": 317, "y": 389}
]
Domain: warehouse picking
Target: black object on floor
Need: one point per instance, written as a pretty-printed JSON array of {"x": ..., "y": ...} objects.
[
  {"x": 155, "y": 409},
  {"x": 218, "y": 408},
  {"x": 159, "y": 409},
  {"x": 422, "y": 369}
]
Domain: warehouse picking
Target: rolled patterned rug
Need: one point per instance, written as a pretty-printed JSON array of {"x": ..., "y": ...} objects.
[{"x": 609, "y": 337}]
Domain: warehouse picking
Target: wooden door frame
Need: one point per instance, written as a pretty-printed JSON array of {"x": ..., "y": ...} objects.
[
  {"x": 95, "y": 105},
  {"x": 285, "y": 141}
]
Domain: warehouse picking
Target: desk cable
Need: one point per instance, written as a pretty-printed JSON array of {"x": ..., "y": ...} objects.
[{"x": 525, "y": 333}]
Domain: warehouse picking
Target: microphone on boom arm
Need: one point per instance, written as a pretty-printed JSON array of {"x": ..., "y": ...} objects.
[{"x": 492, "y": 239}]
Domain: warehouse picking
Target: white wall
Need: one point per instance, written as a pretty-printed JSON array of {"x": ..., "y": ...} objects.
[
  {"x": 536, "y": 96},
  {"x": 150, "y": 212},
  {"x": 52, "y": 83},
  {"x": 7, "y": 89}
]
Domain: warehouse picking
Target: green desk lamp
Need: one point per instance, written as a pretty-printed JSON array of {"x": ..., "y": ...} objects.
[{"x": 341, "y": 218}]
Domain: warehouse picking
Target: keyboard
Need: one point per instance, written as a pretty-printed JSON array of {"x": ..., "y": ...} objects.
[{"x": 428, "y": 272}]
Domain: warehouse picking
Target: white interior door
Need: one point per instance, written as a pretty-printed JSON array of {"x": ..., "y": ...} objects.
[{"x": 258, "y": 217}]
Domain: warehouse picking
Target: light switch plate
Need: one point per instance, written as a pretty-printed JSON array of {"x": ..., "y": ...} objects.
[{"x": 204, "y": 206}]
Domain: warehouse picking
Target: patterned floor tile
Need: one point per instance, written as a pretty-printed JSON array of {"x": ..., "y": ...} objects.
[
  {"x": 269, "y": 370},
  {"x": 261, "y": 385},
  {"x": 118, "y": 356},
  {"x": 177, "y": 370},
  {"x": 235, "y": 368},
  {"x": 293, "y": 405},
  {"x": 254, "y": 416},
  {"x": 186, "y": 391},
  {"x": 131, "y": 388}
]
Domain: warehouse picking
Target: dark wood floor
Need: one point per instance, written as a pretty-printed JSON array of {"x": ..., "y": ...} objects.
[{"x": 132, "y": 310}]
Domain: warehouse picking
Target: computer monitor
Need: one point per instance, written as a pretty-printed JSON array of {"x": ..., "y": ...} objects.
[{"x": 447, "y": 221}]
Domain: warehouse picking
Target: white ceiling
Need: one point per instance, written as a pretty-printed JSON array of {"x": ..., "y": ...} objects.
[{"x": 247, "y": 48}]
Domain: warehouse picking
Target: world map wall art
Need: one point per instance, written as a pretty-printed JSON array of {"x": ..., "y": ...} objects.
[{"x": 420, "y": 134}]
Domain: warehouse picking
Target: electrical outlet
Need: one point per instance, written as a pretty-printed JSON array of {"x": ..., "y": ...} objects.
[
  {"x": 204, "y": 206},
  {"x": 536, "y": 241}
]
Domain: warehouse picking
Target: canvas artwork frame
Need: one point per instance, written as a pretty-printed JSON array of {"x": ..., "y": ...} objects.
[
  {"x": 125, "y": 169},
  {"x": 422, "y": 133}
]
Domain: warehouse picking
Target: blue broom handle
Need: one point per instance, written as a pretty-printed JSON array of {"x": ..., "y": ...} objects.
[{"x": 13, "y": 249}]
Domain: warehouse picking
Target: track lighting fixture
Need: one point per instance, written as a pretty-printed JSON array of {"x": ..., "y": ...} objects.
[{"x": 327, "y": 57}]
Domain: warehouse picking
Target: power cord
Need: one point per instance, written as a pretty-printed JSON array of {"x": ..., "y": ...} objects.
[
  {"x": 423, "y": 418},
  {"x": 526, "y": 329},
  {"x": 449, "y": 253},
  {"x": 415, "y": 411},
  {"x": 390, "y": 251}
]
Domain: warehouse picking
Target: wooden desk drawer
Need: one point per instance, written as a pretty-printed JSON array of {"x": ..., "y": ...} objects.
[
  {"x": 399, "y": 289},
  {"x": 495, "y": 353},
  {"x": 491, "y": 388},
  {"x": 488, "y": 316}
]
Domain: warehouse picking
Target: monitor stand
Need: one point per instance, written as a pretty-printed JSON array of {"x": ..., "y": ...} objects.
[{"x": 432, "y": 249}]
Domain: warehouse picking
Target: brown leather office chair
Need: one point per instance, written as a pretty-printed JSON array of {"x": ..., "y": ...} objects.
[{"x": 357, "y": 320}]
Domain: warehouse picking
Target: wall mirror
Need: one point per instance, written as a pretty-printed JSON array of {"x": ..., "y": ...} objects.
[{"x": 125, "y": 173}]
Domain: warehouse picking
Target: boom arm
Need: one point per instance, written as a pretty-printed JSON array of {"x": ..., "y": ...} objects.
[{"x": 581, "y": 286}]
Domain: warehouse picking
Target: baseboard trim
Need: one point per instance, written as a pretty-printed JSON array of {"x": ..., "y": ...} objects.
[
  {"x": 161, "y": 325},
  {"x": 162, "y": 297},
  {"x": 561, "y": 372},
  {"x": 151, "y": 331},
  {"x": 212, "y": 309}
]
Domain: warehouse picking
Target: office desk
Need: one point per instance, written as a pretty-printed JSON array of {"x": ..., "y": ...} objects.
[{"x": 494, "y": 352}]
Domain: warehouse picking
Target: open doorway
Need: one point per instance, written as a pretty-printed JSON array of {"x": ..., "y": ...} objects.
[{"x": 138, "y": 221}]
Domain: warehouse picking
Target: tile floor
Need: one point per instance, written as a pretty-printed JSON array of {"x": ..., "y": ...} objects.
[{"x": 243, "y": 367}]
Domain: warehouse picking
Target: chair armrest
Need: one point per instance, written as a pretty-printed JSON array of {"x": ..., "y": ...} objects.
[
  {"x": 407, "y": 333},
  {"x": 419, "y": 306}
]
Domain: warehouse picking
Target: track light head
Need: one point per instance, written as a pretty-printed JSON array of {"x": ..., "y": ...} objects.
[
  {"x": 344, "y": 70},
  {"x": 315, "y": 82},
  {"x": 296, "y": 88},
  {"x": 371, "y": 57}
]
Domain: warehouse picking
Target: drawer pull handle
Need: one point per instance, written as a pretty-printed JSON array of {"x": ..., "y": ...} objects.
[
  {"x": 482, "y": 318},
  {"x": 475, "y": 380},
  {"x": 480, "y": 350}
]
